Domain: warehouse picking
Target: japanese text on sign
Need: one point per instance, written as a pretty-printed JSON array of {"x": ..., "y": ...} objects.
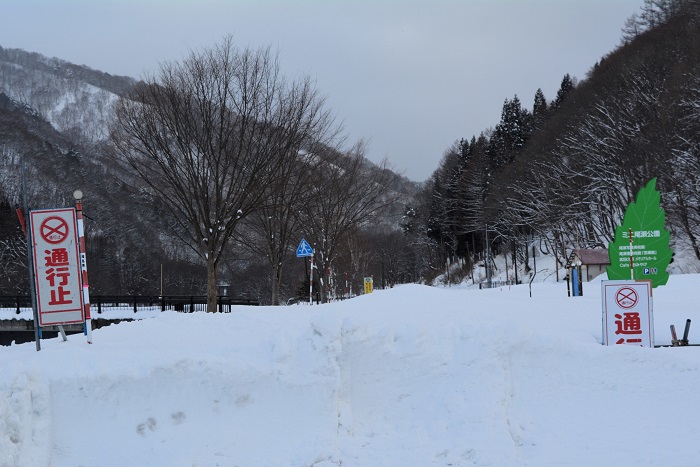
[
  {"x": 642, "y": 234},
  {"x": 56, "y": 266},
  {"x": 628, "y": 324}
]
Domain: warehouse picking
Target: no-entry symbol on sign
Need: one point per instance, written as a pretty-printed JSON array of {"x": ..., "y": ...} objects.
[
  {"x": 626, "y": 298},
  {"x": 54, "y": 230}
]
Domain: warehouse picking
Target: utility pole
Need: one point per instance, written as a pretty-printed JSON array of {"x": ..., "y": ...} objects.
[
  {"x": 30, "y": 259},
  {"x": 383, "y": 282},
  {"x": 488, "y": 259},
  {"x": 515, "y": 261}
]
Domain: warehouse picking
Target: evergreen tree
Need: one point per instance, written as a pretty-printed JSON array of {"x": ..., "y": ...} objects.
[
  {"x": 476, "y": 182},
  {"x": 464, "y": 150},
  {"x": 567, "y": 84},
  {"x": 539, "y": 110},
  {"x": 510, "y": 134}
]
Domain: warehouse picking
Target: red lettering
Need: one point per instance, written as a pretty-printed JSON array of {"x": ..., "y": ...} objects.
[
  {"x": 630, "y": 324},
  {"x": 57, "y": 264},
  {"x": 58, "y": 297}
]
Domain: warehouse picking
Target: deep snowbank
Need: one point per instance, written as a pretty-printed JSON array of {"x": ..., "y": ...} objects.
[{"x": 409, "y": 376}]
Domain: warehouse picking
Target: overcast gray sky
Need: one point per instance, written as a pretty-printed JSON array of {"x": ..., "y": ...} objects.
[{"x": 411, "y": 77}]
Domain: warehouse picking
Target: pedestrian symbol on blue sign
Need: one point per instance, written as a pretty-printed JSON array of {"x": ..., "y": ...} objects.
[{"x": 304, "y": 249}]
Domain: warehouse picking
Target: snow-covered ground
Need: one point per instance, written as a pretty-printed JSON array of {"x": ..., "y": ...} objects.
[{"x": 411, "y": 376}]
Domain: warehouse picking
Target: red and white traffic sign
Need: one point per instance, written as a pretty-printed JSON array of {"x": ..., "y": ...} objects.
[
  {"x": 628, "y": 315},
  {"x": 56, "y": 266}
]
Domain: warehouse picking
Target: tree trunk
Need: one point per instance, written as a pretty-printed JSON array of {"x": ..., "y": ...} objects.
[
  {"x": 556, "y": 256},
  {"x": 685, "y": 222},
  {"x": 322, "y": 284},
  {"x": 527, "y": 258},
  {"x": 276, "y": 281},
  {"x": 211, "y": 284}
]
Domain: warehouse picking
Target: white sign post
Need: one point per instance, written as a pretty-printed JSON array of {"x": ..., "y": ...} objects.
[
  {"x": 305, "y": 251},
  {"x": 56, "y": 267},
  {"x": 628, "y": 313}
]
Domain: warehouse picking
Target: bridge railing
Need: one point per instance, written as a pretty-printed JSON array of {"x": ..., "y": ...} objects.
[{"x": 100, "y": 304}]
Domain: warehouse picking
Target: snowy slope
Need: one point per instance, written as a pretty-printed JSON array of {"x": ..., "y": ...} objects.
[
  {"x": 412, "y": 376},
  {"x": 73, "y": 98}
]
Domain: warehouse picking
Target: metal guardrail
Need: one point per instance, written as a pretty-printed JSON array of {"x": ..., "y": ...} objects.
[
  {"x": 496, "y": 284},
  {"x": 105, "y": 303}
]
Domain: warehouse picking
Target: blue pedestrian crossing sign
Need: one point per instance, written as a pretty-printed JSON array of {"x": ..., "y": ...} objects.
[{"x": 304, "y": 249}]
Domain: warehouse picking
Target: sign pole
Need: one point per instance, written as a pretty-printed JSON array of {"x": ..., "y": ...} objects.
[
  {"x": 78, "y": 195},
  {"x": 311, "y": 282},
  {"x": 330, "y": 288},
  {"x": 631, "y": 256},
  {"x": 305, "y": 251},
  {"x": 30, "y": 260}
]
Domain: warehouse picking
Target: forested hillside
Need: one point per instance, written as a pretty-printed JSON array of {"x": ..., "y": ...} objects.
[
  {"x": 121, "y": 245},
  {"x": 559, "y": 174},
  {"x": 55, "y": 117},
  {"x": 76, "y": 100}
]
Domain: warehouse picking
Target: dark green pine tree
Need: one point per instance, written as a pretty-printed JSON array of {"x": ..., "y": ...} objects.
[
  {"x": 510, "y": 134},
  {"x": 476, "y": 183},
  {"x": 567, "y": 85},
  {"x": 539, "y": 110},
  {"x": 464, "y": 149},
  {"x": 437, "y": 217}
]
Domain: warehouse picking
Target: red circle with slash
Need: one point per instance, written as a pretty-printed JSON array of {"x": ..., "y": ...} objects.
[
  {"x": 626, "y": 297},
  {"x": 54, "y": 230}
]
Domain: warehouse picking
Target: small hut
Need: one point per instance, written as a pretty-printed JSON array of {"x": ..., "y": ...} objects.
[{"x": 594, "y": 261}]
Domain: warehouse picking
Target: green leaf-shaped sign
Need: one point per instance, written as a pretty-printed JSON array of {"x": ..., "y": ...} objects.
[{"x": 646, "y": 222}]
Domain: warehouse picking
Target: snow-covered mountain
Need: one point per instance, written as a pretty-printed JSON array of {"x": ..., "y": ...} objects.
[{"x": 74, "y": 99}]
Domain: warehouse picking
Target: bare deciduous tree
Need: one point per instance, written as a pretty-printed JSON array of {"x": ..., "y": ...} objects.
[
  {"x": 348, "y": 193},
  {"x": 274, "y": 229},
  {"x": 208, "y": 136}
]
